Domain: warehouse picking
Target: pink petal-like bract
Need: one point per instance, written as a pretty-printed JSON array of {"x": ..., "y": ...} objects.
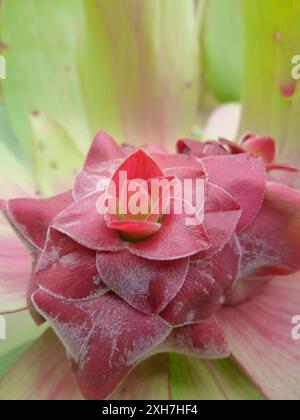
[
  {"x": 104, "y": 337},
  {"x": 32, "y": 217},
  {"x": 244, "y": 177},
  {"x": 67, "y": 269},
  {"x": 146, "y": 285},
  {"x": 205, "y": 340},
  {"x": 118, "y": 286},
  {"x": 263, "y": 147}
]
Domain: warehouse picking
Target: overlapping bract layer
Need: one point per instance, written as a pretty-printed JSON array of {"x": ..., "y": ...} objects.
[
  {"x": 114, "y": 301},
  {"x": 270, "y": 241}
]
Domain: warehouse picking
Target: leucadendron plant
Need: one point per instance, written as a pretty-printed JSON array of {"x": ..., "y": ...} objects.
[{"x": 145, "y": 301}]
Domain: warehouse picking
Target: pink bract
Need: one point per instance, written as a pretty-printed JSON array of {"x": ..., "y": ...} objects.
[{"x": 117, "y": 290}]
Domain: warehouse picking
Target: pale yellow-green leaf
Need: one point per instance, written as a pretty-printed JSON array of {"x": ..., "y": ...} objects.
[
  {"x": 15, "y": 178},
  {"x": 194, "y": 379},
  {"x": 56, "y": 158},
  {"x": 150, "y": 380},
  {"x": 42, "y": 373},
  {"x": 41, "y": 59},
  {"x": 8, "y": 359},
  {"x": 222, "y": 47},
  {"x": 154, "y": 54},
  {"x": 7, "y": 135},
  {"x": 270, "y": 96},
  {"x": 174, "y": 377},
  {"x": 119, "y": 66},
  {"x": 20, "y": 330}
]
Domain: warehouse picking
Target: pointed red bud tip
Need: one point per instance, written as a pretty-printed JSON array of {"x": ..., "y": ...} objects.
[{"x": 263, "y": 147}]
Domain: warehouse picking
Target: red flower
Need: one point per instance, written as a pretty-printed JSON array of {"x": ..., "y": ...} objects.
[
  {"x": 117, "y": 288},
  {"x": 270, "y": 243}
]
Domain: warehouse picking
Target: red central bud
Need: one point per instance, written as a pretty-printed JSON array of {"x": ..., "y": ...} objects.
[{"x": 134, "y": 213}]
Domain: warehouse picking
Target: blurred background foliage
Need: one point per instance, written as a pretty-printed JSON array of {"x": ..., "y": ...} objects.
[{"x": 146, "y": 71}]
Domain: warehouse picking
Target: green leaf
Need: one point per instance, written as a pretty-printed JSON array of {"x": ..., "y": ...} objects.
[
  {"x": 11, "y": 357},
  {"x": 270, "y": 96},
  {"x": 163, "y": 376},
  {"x": 15, "y": 179},
  {"x": 56, "y": 157},
  {"x": 96, "y": 70},
  {"x": 222, "y": 41},
  {"x": 41, "y": 373},
  {"x": 195, "y": 379},
  {"x": 94, "y": 64},
  {"x": 20, "y": 332},
  {"x": 154, "y": 66},
  {"x": 150, "y": 380},
  {"x": 41, "y": 66},
  {"x": 7, "y": 134}
]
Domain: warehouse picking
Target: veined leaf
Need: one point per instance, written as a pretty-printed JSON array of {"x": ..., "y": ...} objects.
[
  {"x": 97, "y": 64},
  {"x": 20, "y": 330},
  {"x": 15, "y": 177},
  {"x": 41, "y": 71},
  {"x": 8, "y": 359},
  {"x": 154, "y": 66},
  {"x": 222, "y": 44},
  {"x": 41, "y": 373},
  {"x": 7, "y": 136},
  {"x": 55, "y": 156},
  {"x": 270, "y": 96},
  {"x": 195, "y": 379},
  {"x": 160, "y": 377}
]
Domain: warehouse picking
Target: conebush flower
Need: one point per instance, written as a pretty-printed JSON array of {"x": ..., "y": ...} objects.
[
  {"x": 152, "y": 260},
  {"x": 133, "y": 286}
]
